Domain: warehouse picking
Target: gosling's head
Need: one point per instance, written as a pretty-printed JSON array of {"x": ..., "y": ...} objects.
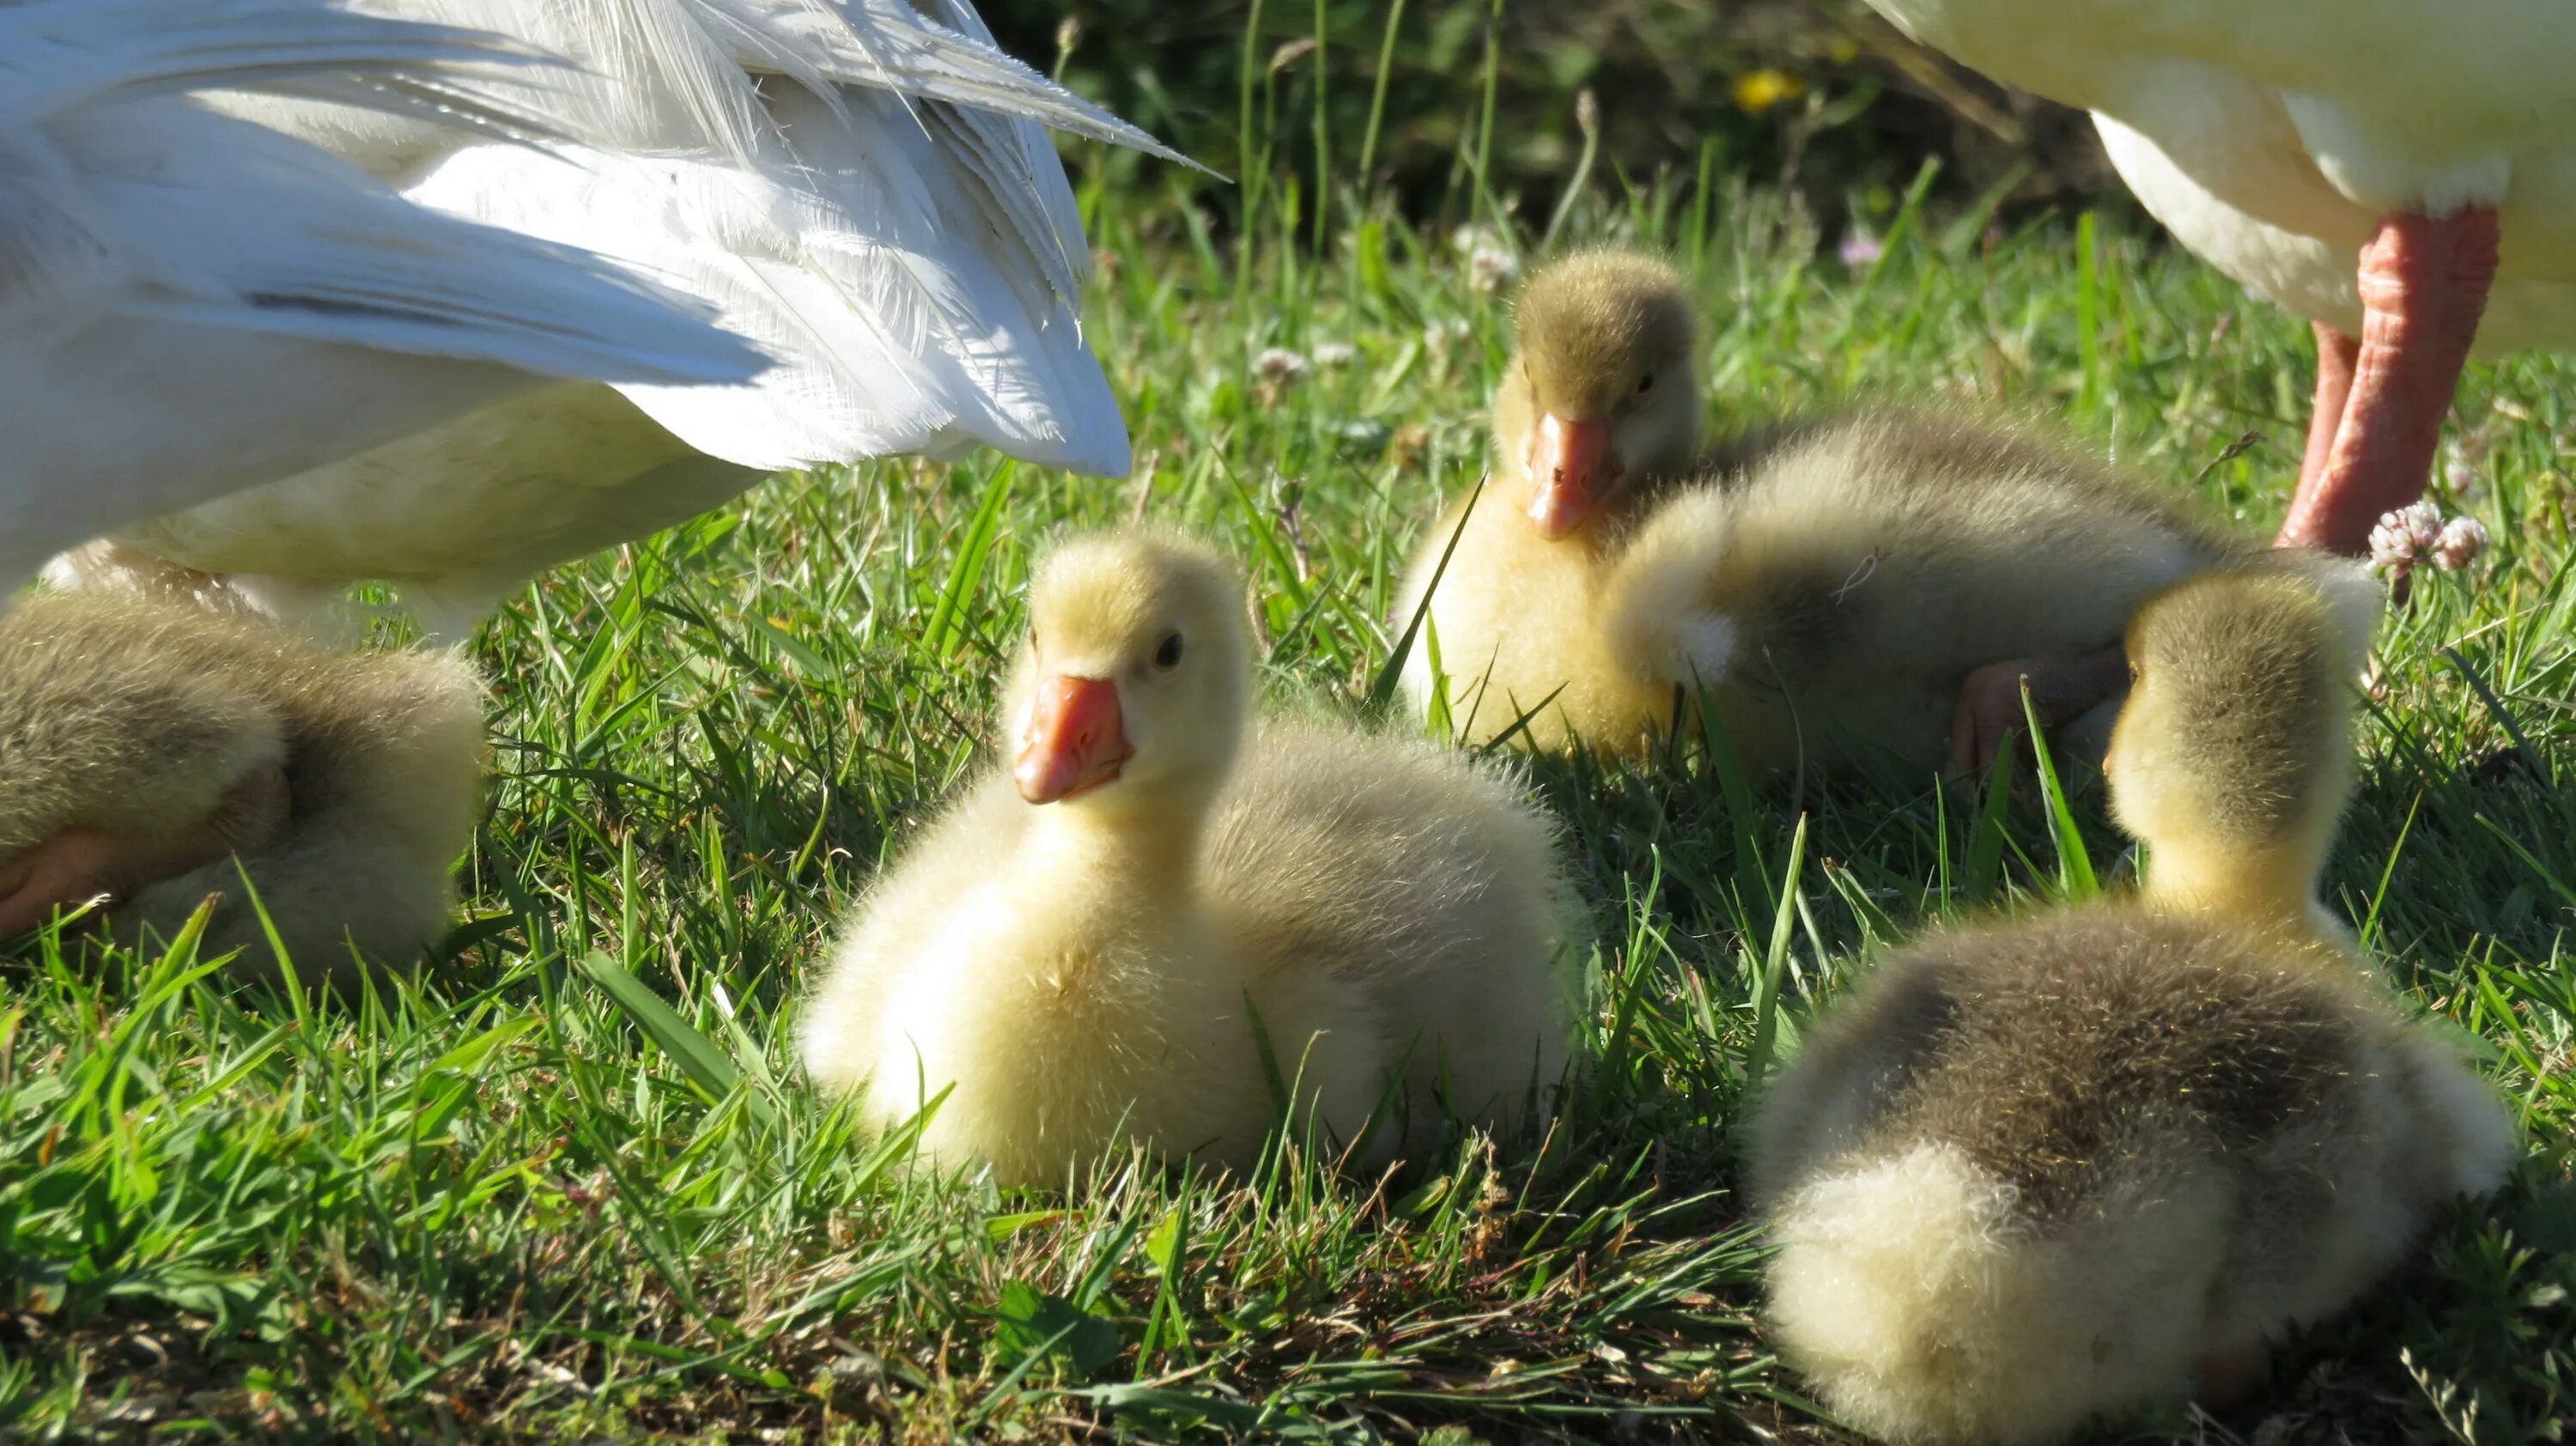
[
  {"x": 2232, "y": 758},
  {"x": 1602, "y": 393},
  {"x": 1131, "y": 691}
]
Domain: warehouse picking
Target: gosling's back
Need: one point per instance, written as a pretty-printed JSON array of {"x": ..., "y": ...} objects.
[
  {"x": 122, "y": 716},
  {"x": 1420, "y": 876},
  {"x": 1865, "y": 566},
  {"x": 2066, "y": 1050},
  {"x": 2037, "y": 1171}
]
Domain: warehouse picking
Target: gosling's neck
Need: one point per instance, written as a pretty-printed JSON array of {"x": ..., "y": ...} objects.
[
  {"x": 2273, "y": 886},
  {"x": 1137, "y": 849},
  {"x": 1502, "y": 516}
]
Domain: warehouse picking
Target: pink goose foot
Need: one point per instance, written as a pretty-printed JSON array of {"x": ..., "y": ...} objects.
[{"x": 80, "y": 864}]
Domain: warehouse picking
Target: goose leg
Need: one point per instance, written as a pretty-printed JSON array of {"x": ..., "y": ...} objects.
[
  {"x": 2061, "y": 690},
  {"x": 2335, "y": 355},
  {"x": 2423, "y": 287},
  {"x": 81, "y": 864}
]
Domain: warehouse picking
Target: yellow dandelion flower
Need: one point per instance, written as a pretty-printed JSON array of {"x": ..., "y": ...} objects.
[{"x": 1758, "y": 90}]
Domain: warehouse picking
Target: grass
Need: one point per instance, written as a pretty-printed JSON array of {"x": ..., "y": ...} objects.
[{"x": 572, "y": 1187}]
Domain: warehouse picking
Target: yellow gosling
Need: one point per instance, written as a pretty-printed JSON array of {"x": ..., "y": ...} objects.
[
  {"x": 1598, "y": 410},
  {"x": 2040, "y": 1172},
  {"x": 1157, "y": 906}
]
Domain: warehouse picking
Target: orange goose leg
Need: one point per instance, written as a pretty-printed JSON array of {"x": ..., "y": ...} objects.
[
  {"x": 2424, "y": 285},
  {"x": 2335, "y": 355}
]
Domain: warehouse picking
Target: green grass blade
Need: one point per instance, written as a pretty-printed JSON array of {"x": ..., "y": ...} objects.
[
  {"x": 966, "y": 574},
  {"x": 700, "y": 1058},
  {"x": 2075, "y": 879},
  {"x": 1775, "y": 960},
  {"x": 1391, "y": 676}
]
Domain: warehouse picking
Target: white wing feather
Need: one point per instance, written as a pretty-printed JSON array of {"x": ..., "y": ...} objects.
[
  {"x": 888, "y": 45},
  {"x": 189, "y": 304},
  {"x": 867, "y": 192},
  {"x": 861, "y": 190}
]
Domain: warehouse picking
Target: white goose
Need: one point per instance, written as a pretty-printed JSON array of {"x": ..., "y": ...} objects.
[
  {"x": 190, "y": 304},
  {"x": 866, "y": 192},
  {"x": 2389, "y": 169}
]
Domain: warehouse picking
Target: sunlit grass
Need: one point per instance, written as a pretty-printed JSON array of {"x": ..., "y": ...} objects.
[{"x": 573, "y": 1184}]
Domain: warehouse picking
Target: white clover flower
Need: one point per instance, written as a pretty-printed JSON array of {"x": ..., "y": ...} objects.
[
  {"x": 2404, "y": 536},
  {"x": 1335, "y": 353},
  {"x": 2460, "y": 476},
  {"x": 1490, "y": 269},
  {"x": 2459, "y": 543},
  {"x": 1859, "y": 249},
  {"x": 1281, "y": 367}
]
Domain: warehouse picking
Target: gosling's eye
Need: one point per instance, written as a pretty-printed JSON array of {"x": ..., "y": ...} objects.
[
  {"x": 1645, "y": 384},
  {"x": 1169, "y": 654},
  {"x": 2133, "y": 675}
]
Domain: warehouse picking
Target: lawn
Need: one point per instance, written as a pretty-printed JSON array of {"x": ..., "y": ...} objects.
[{"x": 571, "y": 1186}]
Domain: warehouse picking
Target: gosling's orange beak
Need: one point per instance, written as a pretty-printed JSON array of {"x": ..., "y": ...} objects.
[
  {"x": 1075, "y": 740},
  {"x": 1571, "y": 461}
]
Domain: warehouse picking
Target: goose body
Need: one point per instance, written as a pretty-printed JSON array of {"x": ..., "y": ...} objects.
[
  {"x": 2343, "y": 158},
  {"x": 2388, "y": 104},
  {"x": 200, "y": 304},
  {"x": 868, "y": 193},
  {"x": 2307, "y": 269},
  {"x": 1164, "y": 922}
]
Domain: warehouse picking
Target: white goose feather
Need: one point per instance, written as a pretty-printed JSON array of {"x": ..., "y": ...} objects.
[
  {"x": 866, "y": 193},
  {"x": 190, "y": 304}
]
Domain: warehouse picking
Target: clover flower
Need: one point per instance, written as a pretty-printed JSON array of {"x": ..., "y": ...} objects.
[
  {"x": 2403, "y": 538},
  {"x": 2460, "y": 542}
]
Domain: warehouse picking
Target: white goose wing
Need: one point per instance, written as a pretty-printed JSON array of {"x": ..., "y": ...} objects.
[
  {"x": 867, "y": 194},
  {"x": 190, "y": 304}
]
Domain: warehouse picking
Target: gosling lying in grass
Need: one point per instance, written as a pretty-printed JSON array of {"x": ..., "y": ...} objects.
[
  {"x": 155, "y": 754},
  {"x": 1162, "y": 923},
  {"x": 1869, "y": 585},
  {"x": 1596, "y": 415},
  {"x": 2041, "y": 1171}
]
